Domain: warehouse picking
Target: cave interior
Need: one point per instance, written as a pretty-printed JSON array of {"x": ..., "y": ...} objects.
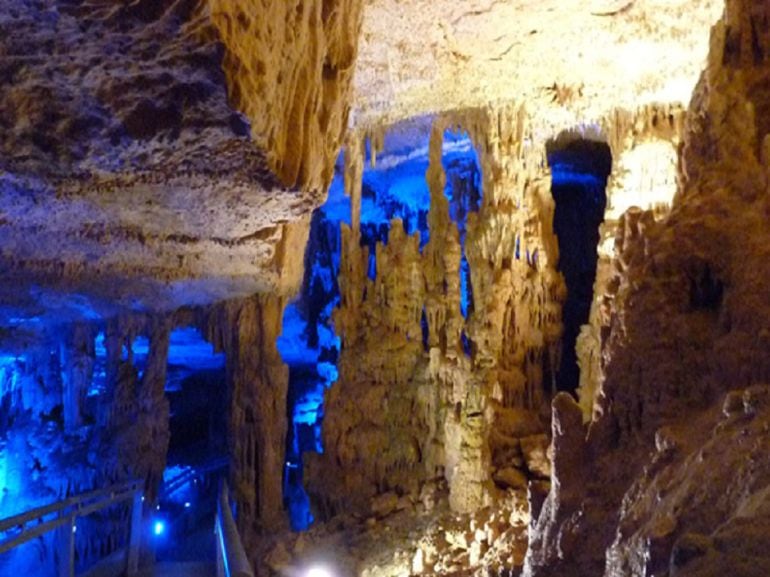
[{"x": 382, "y": 288}]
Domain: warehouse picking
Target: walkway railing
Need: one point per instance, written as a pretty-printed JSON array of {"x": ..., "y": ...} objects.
[
  {"x": 190, "y": 473},
  {"x": 231, "y": 557},
  {"x": 62, "y": 516}
]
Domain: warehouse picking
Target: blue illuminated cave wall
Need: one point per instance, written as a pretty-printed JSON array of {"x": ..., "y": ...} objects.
[
  {"x": 394, "y": 188},
  {"x": 579, "y": 172},
  {"x": 41, "y": 462}
]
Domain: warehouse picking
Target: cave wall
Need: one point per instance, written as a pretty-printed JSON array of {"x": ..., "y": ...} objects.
[
  {"x": 644, "y": 145},
  {"x": 673, "y": 481}
]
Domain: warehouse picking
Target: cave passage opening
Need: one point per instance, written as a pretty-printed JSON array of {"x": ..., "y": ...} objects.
[
  {"x": 579, "y": 172},
  {"x": 197, "y": 453},
  {"x": 195, "y": 388},
  {"x": 44, "y": 458},
  {"x": 393, "y": 187}
]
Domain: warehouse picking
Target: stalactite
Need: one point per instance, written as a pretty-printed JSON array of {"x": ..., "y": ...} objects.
[{"x": 475, "y": 371}]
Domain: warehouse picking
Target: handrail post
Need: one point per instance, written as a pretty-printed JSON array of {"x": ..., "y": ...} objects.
[
  {"x": 134, "y": 543},
  {"x": 66, "y": 538}
]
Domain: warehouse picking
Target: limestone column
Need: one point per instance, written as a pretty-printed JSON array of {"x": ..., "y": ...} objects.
[
  {"x": 77, "y": 363},
  {"x": 258, "y": 385},
  {"x": 153, "y": 409}
]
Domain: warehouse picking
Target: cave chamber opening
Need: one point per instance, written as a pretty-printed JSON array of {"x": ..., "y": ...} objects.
[{"x": 579, "y": 172}]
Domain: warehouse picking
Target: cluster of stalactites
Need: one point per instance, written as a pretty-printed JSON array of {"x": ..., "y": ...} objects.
[
  {"x": 512, "y": 252},
  {"x": 441, "y": 259},
  {"x": 459, "y": 376},
  {"x": 510, "y": 247}
]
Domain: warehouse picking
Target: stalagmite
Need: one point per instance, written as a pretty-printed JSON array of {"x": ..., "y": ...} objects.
[{"x": 402, "y": 414}]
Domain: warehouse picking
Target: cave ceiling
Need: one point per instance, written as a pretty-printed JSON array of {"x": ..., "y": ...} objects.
[
  {"x": 571, "y": 61},
  {"x": 138, "y": 173}
]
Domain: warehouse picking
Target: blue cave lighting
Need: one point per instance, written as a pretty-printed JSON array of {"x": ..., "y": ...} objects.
[
  {"x": 394, "y": 188},
  {"x": 188, "y": 353},
  {"x": 158, "y": 528}
]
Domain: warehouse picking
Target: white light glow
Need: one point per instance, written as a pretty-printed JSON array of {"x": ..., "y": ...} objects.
[{"x": 318, "y": 571}]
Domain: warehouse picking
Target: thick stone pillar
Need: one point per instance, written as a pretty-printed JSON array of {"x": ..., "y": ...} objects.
[
  {"x": 258, "y": 384},
  {"x": 153, "y": 412}
]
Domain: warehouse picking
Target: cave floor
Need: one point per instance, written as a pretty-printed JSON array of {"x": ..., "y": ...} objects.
[{"x": 410, "y": 541}]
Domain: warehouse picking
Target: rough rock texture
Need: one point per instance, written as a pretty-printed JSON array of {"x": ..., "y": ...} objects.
[
  {"x": 405, "y": 412},
  {"x": 644, "y": 176},
  {"x": 288, "y": 67},
  {"x": 162, "y": 153},
  {"x": 418, "y": 537},
  {"x": 159, "y": 154},
  {"x": 677, "y": 485},
  {"x": 246, "y": 331},
  {"x": 572, "y": 61}
]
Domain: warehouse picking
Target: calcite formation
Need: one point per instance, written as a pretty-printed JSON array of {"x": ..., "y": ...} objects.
[
  {"x": 457, "y": 402},
  {"x": 258, "y": 380},
  {"x": 685, "y": 354},
  {"x": 288, "y": 67},
  {"x": 159, "y": 161},
  {"x": 163, "y": 154}
]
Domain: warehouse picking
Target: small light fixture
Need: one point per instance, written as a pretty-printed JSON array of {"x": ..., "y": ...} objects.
[
  {"x": 187, "y": 505},
  {"x": 158, "y": 528}
]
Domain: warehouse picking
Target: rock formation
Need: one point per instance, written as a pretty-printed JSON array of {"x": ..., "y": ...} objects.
[
  {"x": 644, "y": 148},
  {"x": 159, "y": 164},
  {"x": 457, "y": 402},
  {"x": 257, "y": 384},
  {"x": 683, "y": 353},
  {"x": 163, "y": 154}
]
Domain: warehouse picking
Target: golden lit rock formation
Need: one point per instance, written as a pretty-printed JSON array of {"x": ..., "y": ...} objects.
[
  {"x": 684, "y": 355},
  {"x": 453, "y": 408}
]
